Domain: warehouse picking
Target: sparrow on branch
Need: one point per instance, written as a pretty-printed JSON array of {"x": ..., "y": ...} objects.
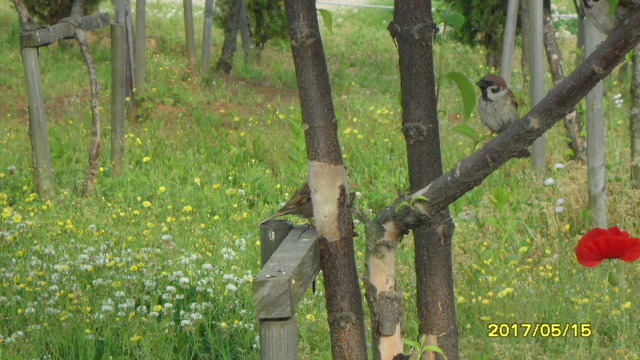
[
  {"x": 299, "y": 204},
  {"x": 498, "y": 107}
]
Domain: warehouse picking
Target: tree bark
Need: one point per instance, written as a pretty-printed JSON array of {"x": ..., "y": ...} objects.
[
  {"x": 414, "y": 29},
  {"x": 328, "y": 184},
  {"x": 635, "y": 119},
  {"x": 229, "y": 46},
  {"x": 572, "y": 124}
]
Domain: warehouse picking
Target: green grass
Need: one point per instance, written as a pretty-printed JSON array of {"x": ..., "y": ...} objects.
[{"x": 158, "y": 263}]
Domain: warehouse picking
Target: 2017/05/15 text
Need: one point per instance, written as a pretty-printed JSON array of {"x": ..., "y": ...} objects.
[{"x": 538, "y": 330}]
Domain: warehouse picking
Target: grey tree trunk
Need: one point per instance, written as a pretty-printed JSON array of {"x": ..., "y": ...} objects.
[
  {"x": 525, "y": 42},
  {"x": 229, "y": 45},
  {"x": 595, "y": 138},
  {"x": 141, "y": 31},
  {"x": 635, "y": 119},
  {"x": 572, "y": 124},
  {"x": 536, "y": 63},
  {"x": 206, "y": 35},
  {"x": 508, "y": 40},
  {"x": 118, "y": 92},
  {"x": 328, "y": 184}
]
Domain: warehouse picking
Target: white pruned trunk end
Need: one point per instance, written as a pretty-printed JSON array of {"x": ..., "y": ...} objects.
[{"x": 327, "y": 183}]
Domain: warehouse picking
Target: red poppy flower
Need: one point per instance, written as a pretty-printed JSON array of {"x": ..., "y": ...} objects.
[{"x": 599, "y": 244}]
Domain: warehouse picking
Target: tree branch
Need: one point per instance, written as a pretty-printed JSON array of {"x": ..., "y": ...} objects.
[{"x": 560, "y": 100}]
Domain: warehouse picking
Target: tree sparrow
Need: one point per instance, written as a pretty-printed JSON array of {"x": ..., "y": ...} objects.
[
  {"x": 498, "y": 107},
  {"x": 598, "y": 12},
  {"x": 299, "y": 204}
]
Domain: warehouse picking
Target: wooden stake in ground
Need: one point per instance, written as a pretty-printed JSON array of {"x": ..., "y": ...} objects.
[
  {"x": 508, "y": 40},
  {"x": 595, "y": 138},
  {"x": 328, "y": 184}
]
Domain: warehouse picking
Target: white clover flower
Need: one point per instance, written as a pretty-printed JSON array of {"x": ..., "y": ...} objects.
[
  {"x": 54, "y": 288},
  {"x": 228, "y": 277},
  {"x": 166, "y": 237},
  {"x": 184, "y": 282},
  {"x": 207, "y": 267},
  {"x": 119, "y": 294},
  {"x": 195, "y": 316},
  {"x": 560, "y": 201},
  {"x": 559, "y": 209},
  {"x": 241, "y": 243},
  {"x": 179, "y": 296},
  {"x": 228, "y": 254},
  {"x": 549, "y": 181},
  {"x": 167, "y": 306},
  {"x": 185, "y": 323},
  {"x": 231, "y": 288},
  {"x": 29, "y": 310},
  {"x": 97, "y": 282},
  {"x": 141, "y": 309},
  {"x": 107, "y": 308},
  {"x": 149, "y": 285},
  {"x": 171, "y": 289},
  {"x": 154, "y": 314},
  {"x": 559, "y": 166}
]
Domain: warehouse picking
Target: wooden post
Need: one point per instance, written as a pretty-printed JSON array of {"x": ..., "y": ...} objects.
[
  {"x": 508, "y": 40},
  {"x": 595, "y": 138},
  {"x": 536, "y": 70},
  {"x": 281, "y": 284},
  {"x": 117, "y": 97},
  {"x": 139, "y": 67},
  {"x": 206, "y": 35},
  {"x": 271, "y": 235},
  {"x": 190, "y": 36},
  {"x": 37, "y": 123}
]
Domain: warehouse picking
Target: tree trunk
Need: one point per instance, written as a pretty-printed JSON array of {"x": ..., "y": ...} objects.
[
  {"x": 328, "y": 184},
  {"x": 525, "y": 42},
  {"x": 413, "y": 27},
  {"x": 229, "y": 46},
  {"x": 572, "y": 124},
  {"x": 94, "y": 147},
  {"x": 635, "y": 119},
  {"x": 536, "y": 92},
  {"x": 508, "y": 41}
]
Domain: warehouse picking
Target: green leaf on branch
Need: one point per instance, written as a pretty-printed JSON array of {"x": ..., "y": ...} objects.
[
  {"x": 435, "y": 349},
  {"x": 419, "y": 197},
  {"x": 467, "y": 92},
  {"x": 451, "y": 18},
  {"x": 612, "y": 6},
  {"x": 327, "y": 18},
  {"x": 467, "y": 131},
  {"x": 401, "y": 205}
]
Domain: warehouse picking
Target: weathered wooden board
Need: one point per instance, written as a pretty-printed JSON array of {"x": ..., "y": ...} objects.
[
  {"x": 287, "y": 275},
  {"x": 62, "y": 30}
]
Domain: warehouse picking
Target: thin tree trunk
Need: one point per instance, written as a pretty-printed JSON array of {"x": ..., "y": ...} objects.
[
  {"x": 508, "y": 40},
  {"x": 328, "y": 184},
  {"x": 525, "y": 42},
  {"x": 229, "y": 46},
  {"x": 635, "y": 119},
  {"x": 413, "y": 27},
  {"x": 244, "y": 30},
  {"x": 595, "y": 139},
  {"x": 536, "y": 63},
  {"x": 94, "y": 147},
  {"x": 572, "y": 124}
]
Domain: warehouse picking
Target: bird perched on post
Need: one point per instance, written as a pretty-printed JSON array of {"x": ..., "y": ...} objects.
[
  {"x": 598, "y": 12},
  {"x": 299, "y": 204},
  {"x": 498, "y": 107}
]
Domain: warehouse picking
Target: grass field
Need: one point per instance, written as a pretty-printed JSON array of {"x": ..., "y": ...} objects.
[{"x": 158, "y": 263}]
